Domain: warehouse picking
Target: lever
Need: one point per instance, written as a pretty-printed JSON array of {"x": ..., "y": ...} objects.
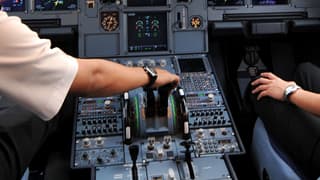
[
  {"x": 150, "y": 107},
  {"x": 134, "y": 151},
  {"x": 164, "y": 92},
  {"x": 184, "y": 112},
  {"x": 127, "y": 132},
  {"x": 187, "y": 145}
]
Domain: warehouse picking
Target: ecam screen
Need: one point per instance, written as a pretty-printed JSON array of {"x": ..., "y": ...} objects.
[
  {"x": 55, "y": 5},
  {"x": 269, "y": 2},
  {"x": 13, "y": 5},
  {"x": 147, "y": 31}
]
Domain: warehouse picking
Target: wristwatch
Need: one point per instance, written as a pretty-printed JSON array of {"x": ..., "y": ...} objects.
[
  {"x": 290, "y": 90},
  {"x": 152, "y": 73}
]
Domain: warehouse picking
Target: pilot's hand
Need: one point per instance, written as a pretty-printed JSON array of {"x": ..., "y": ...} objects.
[
  {"x": 270, "y": 85},
  {"x": 165, "y": 78}
]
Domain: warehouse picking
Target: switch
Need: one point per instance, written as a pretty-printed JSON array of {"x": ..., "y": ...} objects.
[{"x": 171, "y": 174}]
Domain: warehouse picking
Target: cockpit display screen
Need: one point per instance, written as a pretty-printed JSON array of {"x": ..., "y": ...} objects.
[
  {"x": 55, "y": 5},
  {"x": 269, "y": 2},
  {"x": 146, "y": 3},
  {"x": 227, "y": 2},
  {"x": 192, "y": 65},
  {"x": 12, "y": 5},
  {"x": 147, "y": 31}
]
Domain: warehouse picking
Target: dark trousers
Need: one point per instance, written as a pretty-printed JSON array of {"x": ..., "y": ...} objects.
[
  {"x": 295, "y": 131},
  {"x": 23, "y": 135}
]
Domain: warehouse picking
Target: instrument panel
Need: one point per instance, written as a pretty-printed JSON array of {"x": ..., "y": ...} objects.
[
  {"x": 55, "y": 5},
  {"x": 182, "y": 133},
  {"x": 13, "y": 5},
  {"x": 153, "y": 134}
]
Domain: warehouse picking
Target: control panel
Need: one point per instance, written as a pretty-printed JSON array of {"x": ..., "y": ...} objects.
[
  {"x": 155, "y": 133},
  {"x": 138, "y": 28},
  {"x": 57, "y": 14}
]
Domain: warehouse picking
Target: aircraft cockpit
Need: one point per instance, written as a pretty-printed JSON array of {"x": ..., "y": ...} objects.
[{"x": 206, "y": 128}]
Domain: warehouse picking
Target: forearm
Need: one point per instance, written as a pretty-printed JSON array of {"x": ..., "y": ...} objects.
[
  {"x": 98, "y": 77},
  {"x": 306, "y": 100}
]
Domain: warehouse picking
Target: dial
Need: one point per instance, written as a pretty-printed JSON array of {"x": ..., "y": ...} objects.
[
  {"x": 109, "y": 21},
  {"x": 196, "y": 22}
]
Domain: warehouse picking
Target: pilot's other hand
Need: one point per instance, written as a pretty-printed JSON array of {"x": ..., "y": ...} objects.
[{"x": 270, "y": 85}]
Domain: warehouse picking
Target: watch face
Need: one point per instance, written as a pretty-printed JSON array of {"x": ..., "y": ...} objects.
[
  {"x": 152, "y": 72},
  {"x": 291, "y": 89},
  {"x": 152, "y": 75}
]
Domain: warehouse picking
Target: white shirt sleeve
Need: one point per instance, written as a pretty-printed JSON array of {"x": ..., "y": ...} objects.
[{"x": 31, "y": 72}]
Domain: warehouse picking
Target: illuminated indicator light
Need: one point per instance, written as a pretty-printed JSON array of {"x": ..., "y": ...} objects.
[
  {"x": 173, "y": 110},
  {"x": 137, "y": 111}
]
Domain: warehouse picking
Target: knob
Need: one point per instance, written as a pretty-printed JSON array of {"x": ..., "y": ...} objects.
[
  {"x": 86, "y": 142},
  {"x": 107, "y": 103},
  {"x": 99, "y": 141},
  {"x": 211, "y": 97}
]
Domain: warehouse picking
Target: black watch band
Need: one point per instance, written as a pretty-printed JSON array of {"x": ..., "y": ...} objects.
[{"x": 152, "y": 73}]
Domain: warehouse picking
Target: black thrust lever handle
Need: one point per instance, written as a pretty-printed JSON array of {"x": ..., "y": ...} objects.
[{"x": 134, "y": 151}]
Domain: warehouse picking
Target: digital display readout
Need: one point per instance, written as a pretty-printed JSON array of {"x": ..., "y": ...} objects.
[
  {"x": 55, "y": 5},
  {"x": 147, "y": 31},
  {"x": 13, "y": 5}
]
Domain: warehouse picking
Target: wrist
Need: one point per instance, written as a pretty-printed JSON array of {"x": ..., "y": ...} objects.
[
  {"x": 152, "y": 76},
  {"x": 289, "y": 90}
]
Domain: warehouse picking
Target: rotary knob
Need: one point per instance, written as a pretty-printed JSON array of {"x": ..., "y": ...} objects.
[{"x": 109, "y": 21}]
